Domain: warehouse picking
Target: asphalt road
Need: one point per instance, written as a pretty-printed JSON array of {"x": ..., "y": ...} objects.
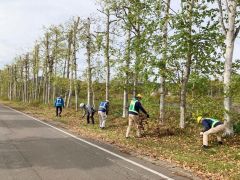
[{"x": 33, "y": 150}]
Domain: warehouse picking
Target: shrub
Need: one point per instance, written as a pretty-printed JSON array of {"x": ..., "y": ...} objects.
[
  {"x": 206, "y": 107},
  {"x": 236, "y": 128}
]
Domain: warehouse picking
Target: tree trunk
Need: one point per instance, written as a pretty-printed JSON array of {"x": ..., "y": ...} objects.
[
  {"x": 15, "y": 82},
  {"x": 44, "y": 81},
  {"x": 47, "y": 70},
  {"x": 137, "y": 63},
  {"x": 36, "y": 71},
  {"x": 69, "y": 67},
  {"x": 70, "y": 90},
  {"x": 89, "y": 68},
  {"x": 75, "y": 32},
  {"x": 55, "y": 59},
  {"x": 50, "y": 68},
  {"x": 106, "y": 54},
  {"x": 187, "y": 68},
  {"x": 26, "y": 60},
  {"x": 10, "y": 83},
  {"x": 230, "y": 40},
  {"x": 164, "y": 59},
  {"x": 54, "y": 82},
  {"x": 127, "y": 58},
  {"x": 22, "y": 78}
]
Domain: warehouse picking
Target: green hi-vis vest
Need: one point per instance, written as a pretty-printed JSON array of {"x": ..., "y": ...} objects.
[
  {"x": 132, "y": 106},
  {"x": 214, "y": 121}
]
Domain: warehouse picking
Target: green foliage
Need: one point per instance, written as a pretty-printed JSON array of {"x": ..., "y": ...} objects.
[
  {"x": 199, "y": 84},
  {"x": 206, "y": 106},
  {"x": 205, "y": 42},
  {"x": 99, "y": 41},
  {"x": 236, "y": 127},
  {"x": 235, "y": 88}
]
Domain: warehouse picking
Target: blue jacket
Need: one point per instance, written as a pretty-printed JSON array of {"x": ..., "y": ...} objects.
[
  {"x": 209, "y": 122},
  {"x": 59, "y": 102},
  {"x": 103, "y": 106}
]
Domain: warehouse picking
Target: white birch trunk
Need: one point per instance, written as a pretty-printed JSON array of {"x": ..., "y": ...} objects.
[
  {"x": 164, "y": 59},
  {"x": 230, "y": 40},
  {"x": 69, "y": 67},
  {"x": 125, "y": 92},
  {"x": 107, "y": 56},
  {"x": 76, "y": 24},
  {"x": 89, "y": 69},
  {"x": 70, "y": 90},
  {"x": 187, "y": 68}
]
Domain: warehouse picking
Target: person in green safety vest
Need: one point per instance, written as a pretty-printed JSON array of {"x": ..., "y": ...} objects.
[
  {"x": 211, "y": 126},
  {"x": 133, "y": 118}
]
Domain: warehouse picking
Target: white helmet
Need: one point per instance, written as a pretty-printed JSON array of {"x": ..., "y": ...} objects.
[{"x": 82, "y": 105}]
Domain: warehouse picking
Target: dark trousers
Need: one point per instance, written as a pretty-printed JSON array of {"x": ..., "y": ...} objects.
[
  {"x": 58, "y": 111},
  {"x": 88, "y": 118}
]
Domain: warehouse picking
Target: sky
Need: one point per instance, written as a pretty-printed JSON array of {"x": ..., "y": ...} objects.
[{"x": 22, "y": 21}]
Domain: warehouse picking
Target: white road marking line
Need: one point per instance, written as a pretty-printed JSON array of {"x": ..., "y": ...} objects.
[{"x": 96, "y": 146}]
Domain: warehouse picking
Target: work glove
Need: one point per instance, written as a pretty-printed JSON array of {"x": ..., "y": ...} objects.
[{"x": 147, "y": 115}]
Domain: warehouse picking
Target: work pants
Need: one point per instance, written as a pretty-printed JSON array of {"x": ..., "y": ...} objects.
[
  {"x": 215, "y": 130},
  {"x": 90, "y": 115},
  {"x": 133, "y": 120},
  {"x": 58, "y": 111},
  {"x": 102, "y": 119}
]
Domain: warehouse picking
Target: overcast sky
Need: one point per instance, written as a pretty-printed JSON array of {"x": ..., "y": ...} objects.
[{"x": 22, "y": 21}]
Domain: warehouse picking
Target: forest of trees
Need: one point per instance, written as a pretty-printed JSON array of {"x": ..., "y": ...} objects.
[{"x": 187, "y": 53}]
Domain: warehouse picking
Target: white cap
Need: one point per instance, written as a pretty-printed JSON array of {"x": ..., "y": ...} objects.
[{"x": 81, "y": 105}]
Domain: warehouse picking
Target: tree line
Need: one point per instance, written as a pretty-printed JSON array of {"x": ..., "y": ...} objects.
[{"x": 136, "y": 41}]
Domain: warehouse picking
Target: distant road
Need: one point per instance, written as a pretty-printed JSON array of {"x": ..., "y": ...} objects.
[{"x": 33, "y": 150}]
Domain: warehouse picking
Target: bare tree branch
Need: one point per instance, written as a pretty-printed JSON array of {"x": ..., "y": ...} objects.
[
  {"x": 102, "y": 12},
  {"x": 107, "y": 15},
  {"x": 115, "y": 20},
  {"x": 221, "y": 16},
  {"x": 126, "y": 14},
  {"x": 126, "y": 22}
]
